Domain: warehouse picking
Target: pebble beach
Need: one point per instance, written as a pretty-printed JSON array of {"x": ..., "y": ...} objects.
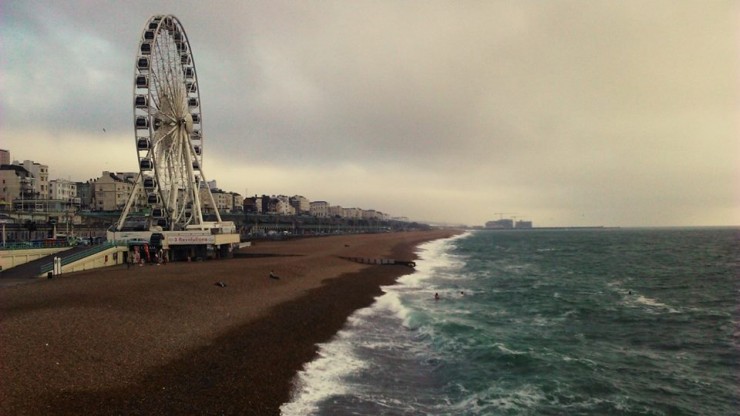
[{"x": 214, "y": 337}]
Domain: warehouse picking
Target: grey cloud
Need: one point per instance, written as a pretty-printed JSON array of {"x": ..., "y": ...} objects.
[{"x": 551, "y": 108}]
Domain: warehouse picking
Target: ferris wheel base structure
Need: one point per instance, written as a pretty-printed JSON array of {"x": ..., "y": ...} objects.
[{"x": 218, "y": 240}]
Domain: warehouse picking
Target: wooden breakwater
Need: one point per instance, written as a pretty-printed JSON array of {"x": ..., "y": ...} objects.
[{"x": 380, "y": 261}]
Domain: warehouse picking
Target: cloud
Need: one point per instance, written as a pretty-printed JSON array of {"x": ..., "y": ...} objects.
[{"x": 567, "y": 112}]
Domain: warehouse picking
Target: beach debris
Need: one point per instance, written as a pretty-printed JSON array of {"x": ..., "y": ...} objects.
[
  {"x": 381, "y": 261},
  {"x": 220, "y": 284},
  {"x": 274, "y": 276}
]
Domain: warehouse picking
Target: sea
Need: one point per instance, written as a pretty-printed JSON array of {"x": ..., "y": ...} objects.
[{"x": 544, "y": 322}]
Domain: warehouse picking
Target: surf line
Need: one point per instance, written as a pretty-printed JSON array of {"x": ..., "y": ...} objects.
[{"x": 380, "y": 261}]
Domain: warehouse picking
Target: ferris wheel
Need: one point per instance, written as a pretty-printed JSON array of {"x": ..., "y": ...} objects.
[{"x": 168, "y": 126}]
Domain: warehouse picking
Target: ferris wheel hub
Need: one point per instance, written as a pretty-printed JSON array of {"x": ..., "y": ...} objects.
[{"x": 187, "y": 122}]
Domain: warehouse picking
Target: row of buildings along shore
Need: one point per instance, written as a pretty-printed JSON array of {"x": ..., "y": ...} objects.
[{"x": 27, "y": 187}]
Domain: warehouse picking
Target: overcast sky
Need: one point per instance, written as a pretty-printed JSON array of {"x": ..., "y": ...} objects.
[{"x": 616, "y": 113}]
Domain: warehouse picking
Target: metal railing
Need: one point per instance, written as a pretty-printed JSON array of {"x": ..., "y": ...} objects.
[
  {"x": 24, "y": 245},
  {"x": 47, "y": 267}
]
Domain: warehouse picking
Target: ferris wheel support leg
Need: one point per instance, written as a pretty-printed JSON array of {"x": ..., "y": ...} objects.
[
  {"x": 186, "y": 147},
  {"x": 130, "y": 202},
  {"x": 213, "y": 201},
  {"x": 210, "y": 195}
]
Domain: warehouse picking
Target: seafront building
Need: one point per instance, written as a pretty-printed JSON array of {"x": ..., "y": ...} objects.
[
  {"x": 84, "y": 194},
  {"x": 319, "y": 209},
  {"x": 63, "y": 189},
  {"x": 16, "y": 184},
  {"x": 39, "y": 175},
  {"x": 26, "y": 186},
  {"x": 508, "y": 224},
  {"x": 301, "y": 204},
  {"x": 111, "y": 191},
  {"x": 225, "y": 201},
  {"x": 4, "y": 157},
  {"x": 336, "y": 211},
  {"x": 372, "y": 214},
  {"x": 352, "y": 213},
  {"x": 253, "y": 205}
]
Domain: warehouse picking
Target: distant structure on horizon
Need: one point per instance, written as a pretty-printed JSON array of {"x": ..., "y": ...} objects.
[{"x": 508, "y": 224}]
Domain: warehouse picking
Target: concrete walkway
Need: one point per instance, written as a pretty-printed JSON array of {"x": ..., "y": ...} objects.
[{"x": 29, "y": 272}]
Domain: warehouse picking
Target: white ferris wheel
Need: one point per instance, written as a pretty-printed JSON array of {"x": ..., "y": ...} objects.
[{"x": 168, "y": 129}]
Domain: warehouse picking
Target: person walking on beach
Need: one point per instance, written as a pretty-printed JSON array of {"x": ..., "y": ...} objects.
[{"x": 137, "y": 257}]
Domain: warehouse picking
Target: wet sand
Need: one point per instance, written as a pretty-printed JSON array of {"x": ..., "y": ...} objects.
[{"x": 169, "y": 340}]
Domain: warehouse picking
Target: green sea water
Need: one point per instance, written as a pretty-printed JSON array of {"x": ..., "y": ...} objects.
[{"x": 599, "y": 322}]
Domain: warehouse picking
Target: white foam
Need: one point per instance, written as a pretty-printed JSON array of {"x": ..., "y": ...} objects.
[
  {"x": 435, "y": 255},
  {"x": 326, "y": 376},
  {"x": 649, "y": 302},
  {"x": 525, "y": 397},
  {"x": 323, "y": 377},
  {"x": 644, "y": 300},
  {"x": 492, "y": 401},
  {"x": 590, "y": 363},
  {"x": 501, "y": 347},
  {"x": 389, "y": 301}
]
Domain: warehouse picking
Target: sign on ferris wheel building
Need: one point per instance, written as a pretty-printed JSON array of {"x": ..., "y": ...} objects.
[{"x": 175, "y": 238}]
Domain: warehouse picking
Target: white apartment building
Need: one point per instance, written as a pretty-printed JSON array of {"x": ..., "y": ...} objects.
[
  {"x": 40, "y": 173},
  {"x": 319, "y": 209},
  {"x": 15, "y": 183},
  {"x": 111, "y": 191},
  {"x": 301, "y": 204},
  {"x": 336, "y": 211},
  {"x": 4, "y": 157},
  {"x": 371, "y": 214},
  {"x": 224, "y": 200},
  {"x": 62, "y": 190},
  {"x": 282, "y": 206},
  {"x": 352, "y": 213}
]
